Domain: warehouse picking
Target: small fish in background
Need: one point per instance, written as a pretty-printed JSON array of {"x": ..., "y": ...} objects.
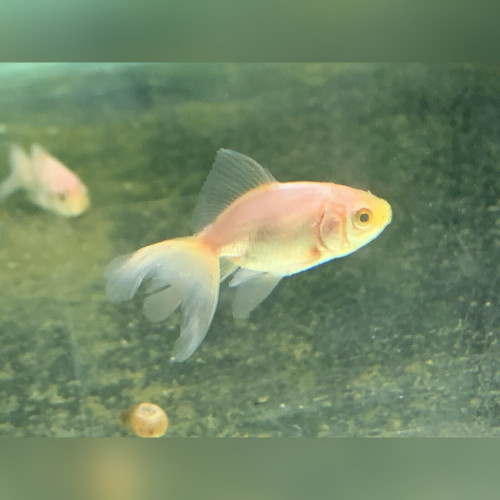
[
  {"x": 252, "y": 227},
  {"x": 47, "y": 182}
]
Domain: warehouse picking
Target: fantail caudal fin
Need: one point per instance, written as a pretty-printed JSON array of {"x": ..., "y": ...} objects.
[{"x": 183, "y": 272}]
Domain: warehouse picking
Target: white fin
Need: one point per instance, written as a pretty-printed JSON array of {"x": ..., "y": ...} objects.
[
  {"x": 183, "y": 272},
  {"x": 243, "y": 275},
  {"x": 226, "y": 268},
  {"x": 40, "y": 157},
  {"x": 20, "y": 172},
  {"x": 232, "y": 175},
  {"x": 37, "y": 151},
  {"x": 252, "y": 288},
  {"x": 121, "y": 285},
  {"x": 161, "y": 304}
]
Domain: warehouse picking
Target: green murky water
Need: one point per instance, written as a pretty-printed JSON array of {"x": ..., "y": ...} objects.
[{"x": 400, "y": 338}]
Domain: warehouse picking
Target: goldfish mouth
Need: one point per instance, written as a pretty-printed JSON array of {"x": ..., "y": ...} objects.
[
  {"x": 384, "y": 214},
  {"x": 388, "y": 216}
]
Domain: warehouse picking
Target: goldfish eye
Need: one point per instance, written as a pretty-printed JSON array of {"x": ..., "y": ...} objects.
[{"x": 363, "y": 217}]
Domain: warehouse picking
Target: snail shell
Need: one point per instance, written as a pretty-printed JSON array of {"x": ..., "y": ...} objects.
[{"x": 146, "y": 420}]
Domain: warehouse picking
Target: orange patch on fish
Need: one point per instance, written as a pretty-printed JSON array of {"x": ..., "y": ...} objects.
[{"x": 252, "y": 227}]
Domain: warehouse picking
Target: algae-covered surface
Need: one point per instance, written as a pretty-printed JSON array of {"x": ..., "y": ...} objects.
[{"x": 400, "y": 338}]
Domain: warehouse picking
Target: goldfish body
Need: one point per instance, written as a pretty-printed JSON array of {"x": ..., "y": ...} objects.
[
  {"x": 252, "y": 227},
  {"x": 47, "y": 182}
]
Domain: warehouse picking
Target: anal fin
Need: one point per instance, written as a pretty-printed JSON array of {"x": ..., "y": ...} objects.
[
  {"x": 251, "y": 289},
  {"x": 226, "y": 268}
]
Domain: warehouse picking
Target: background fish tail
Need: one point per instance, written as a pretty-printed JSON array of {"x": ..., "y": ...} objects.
[
  {"x": 8, "y": 186},
  {"x": 20, "y": 172}
]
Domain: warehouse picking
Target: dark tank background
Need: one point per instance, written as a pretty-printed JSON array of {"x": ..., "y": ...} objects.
[{"x": 397, "y": 339}]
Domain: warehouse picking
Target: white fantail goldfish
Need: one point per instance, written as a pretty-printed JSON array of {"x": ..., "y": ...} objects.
[
  {"x": 47, "y": 182},
  {"x": 250, "y": 226}
]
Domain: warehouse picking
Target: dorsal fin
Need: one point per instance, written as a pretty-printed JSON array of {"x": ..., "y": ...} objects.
[
  {"x": 37, "y": 150},
  {"x": 232, "y": 175},
  {"x": 39, "y": 155}
]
